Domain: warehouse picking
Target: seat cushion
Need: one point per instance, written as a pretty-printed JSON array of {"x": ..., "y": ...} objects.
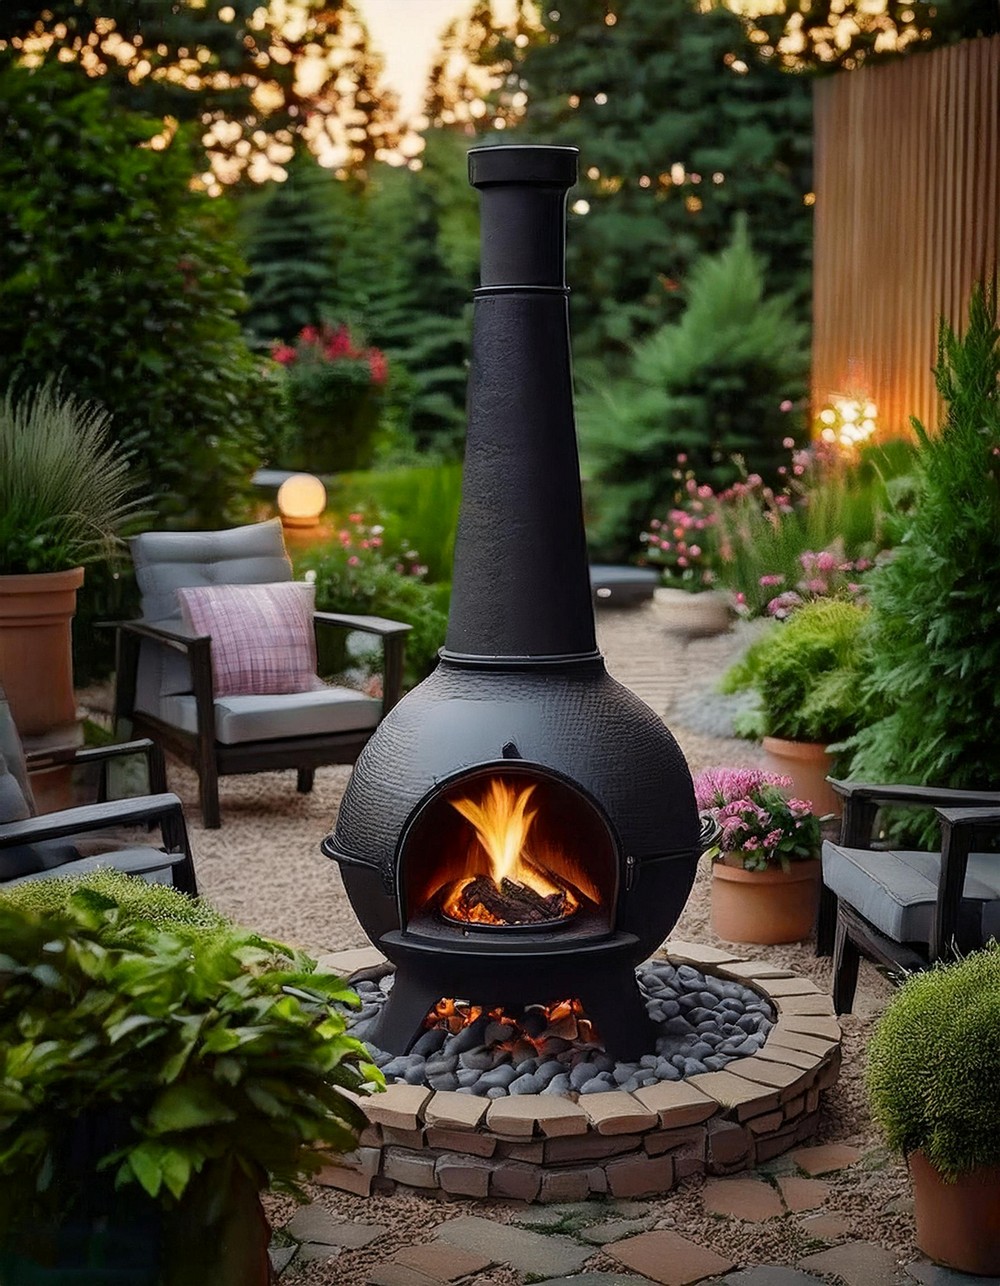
[
  {"x": 266, "y": 718},
  {"x": 896, "y": 890},
  {"x": 12, "y": 754},
  {"x": 131, "y": 861},
  {"x": 262, "y": 635}
]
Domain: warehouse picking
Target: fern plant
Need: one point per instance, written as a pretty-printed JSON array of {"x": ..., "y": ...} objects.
[
  {"x": 807, "y": 674},
  {"x": 935, "y": 629}
]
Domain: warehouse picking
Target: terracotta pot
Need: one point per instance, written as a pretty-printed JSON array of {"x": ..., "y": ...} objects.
[
  {"x": 958, "y": 1224},
  {"x": 766, "y": 907},
  {"x": 808, "y": 764},
  {"x": 36, "y": 648}
]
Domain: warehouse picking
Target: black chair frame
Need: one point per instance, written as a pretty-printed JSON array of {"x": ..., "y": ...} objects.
[
  {"x": 213, "y": 759},
  {"x": 157, "y": 809},
  {"x": 968, "y": 821}
]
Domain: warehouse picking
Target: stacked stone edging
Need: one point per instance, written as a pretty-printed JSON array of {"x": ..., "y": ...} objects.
[{"x": 549, "y": 1148}]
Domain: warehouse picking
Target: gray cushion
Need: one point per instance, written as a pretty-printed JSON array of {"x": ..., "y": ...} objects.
[
  {"x": 288, "y": 714},
  {"x": 12, "y": 759},
  {"x": 13, "y": 805},
  {"x": 131, "y": 861},
  {"x": 896, "y": 891},
  {"x": 166, "y": 561}
]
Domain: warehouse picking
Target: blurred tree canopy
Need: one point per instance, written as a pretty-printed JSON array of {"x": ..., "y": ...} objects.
[{"x": 255, "y": 77}]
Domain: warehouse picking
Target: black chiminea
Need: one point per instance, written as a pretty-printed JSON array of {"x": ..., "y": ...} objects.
[{"x": 521, "y": 829}]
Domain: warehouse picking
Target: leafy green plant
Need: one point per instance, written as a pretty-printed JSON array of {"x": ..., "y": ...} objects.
[
  {"x": 195, "y": 1049},
  {"x": 807, "y": 672},
  {"x": 358, "y": 573},
  {"x": 933, "y": 1071},
  {"x": 935, "y": 642},
  {"x": 711, "y": 386},
  {"x": 65, "y": 489}
]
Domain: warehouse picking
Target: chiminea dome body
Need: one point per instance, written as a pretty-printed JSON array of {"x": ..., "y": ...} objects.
[{"x": 520, "y": 681}]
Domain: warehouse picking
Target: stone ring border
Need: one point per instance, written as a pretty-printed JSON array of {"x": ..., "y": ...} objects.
[{"x": 543, "y": 1147}]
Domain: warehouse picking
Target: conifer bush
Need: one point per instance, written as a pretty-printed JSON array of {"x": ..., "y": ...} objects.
[{"x": 935, "y": 629}]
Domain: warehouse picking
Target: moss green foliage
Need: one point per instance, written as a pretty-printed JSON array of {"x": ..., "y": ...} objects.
[
  {"x": 933, "y": 1071},
  {"x": 117, "y": 274},
  {"x": 201, "y": 1046},
  {"x": 807, "y": 672},
  {"x": 709, "y": 386},
  {"x": 65, "y": 487},
  {"x": 935, "y": 632}
]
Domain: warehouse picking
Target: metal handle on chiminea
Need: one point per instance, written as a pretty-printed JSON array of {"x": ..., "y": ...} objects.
[{"x": 521, "y": 585}]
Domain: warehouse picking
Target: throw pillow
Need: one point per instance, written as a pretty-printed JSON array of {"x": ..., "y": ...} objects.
[{"x": 262, "y": 635}]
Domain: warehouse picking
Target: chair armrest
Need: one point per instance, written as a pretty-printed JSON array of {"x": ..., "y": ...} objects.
[
  {"x": 962, "y": 829},
  {"x": 366, "y": 624},
  {"x": 176, "y": 639},
  {"x": 155, "y": 763},
  {"x": 863, "y": 799},
  {"x": 165, "y": 808},
  {"x": 393, "y": 635}
]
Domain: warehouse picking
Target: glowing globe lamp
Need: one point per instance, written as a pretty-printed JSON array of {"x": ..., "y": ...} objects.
[{"x": 301, "y": 500}]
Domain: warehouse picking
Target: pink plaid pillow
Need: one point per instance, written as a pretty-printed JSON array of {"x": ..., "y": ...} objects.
[{"x": 262, "y": 635}]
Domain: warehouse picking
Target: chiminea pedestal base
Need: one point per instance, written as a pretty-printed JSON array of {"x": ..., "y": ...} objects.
[{"x": 509, "y": 975}]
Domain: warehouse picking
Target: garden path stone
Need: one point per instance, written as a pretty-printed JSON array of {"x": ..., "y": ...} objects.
[
  {"x": 825, "y": 1227},
  {"x": 858, "y": 1263},
  {"x": 316, "y": 1223},
  {"x": 281, "y": 1257},
  {"x": 398, "y": 1275},
  {"x": 528, "y": 1252},
  {"x": 597, "y": 1279},
  {"x": 770, "y": 1275},
  {"x": 748, "y": 1199},
  {"x": 825, "y": 1158},
  {"x": 802, "y": 1194},
  {"x": 935, "y": 1275},
  {"x": 441, "y": 1261},
  {"x": 669, "y": 1258},
  {"x": 601, "y": 1234},
  {"x": 312, "y": 1251}
]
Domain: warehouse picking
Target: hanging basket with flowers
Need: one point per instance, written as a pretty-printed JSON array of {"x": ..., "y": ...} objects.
[
  {"x": 765, "y": 866},
  {"x": 335, "y": 389}
]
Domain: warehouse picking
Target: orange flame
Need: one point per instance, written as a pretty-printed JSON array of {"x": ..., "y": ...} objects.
[{"x": 502, "y": 822}]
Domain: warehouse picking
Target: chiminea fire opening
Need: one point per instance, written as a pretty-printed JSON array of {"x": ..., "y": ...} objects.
[{"x": 520, "y": 830}]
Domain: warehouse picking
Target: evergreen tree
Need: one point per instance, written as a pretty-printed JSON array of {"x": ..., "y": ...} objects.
[
  {"x": 680, "y": 125},
  {"x": 709, "y": 386},
  {"x": 468, "y": 78},
  {"x": 935, "y": 642}
]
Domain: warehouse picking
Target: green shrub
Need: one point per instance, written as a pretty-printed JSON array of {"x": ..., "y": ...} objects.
[
  {"x": 807, "y": 672},
  {"x": 64, "y": 484},
  {"x": 709, "y": 386},
  {"x": 119, "y": 275},
  {"x": 935, "y": 641},
  {"x": 201, "y": 1047},
  {"x": 933, "y": 1072}
]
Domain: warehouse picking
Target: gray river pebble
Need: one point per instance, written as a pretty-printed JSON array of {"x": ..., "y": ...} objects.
[{"x": 702, "y": 1023}]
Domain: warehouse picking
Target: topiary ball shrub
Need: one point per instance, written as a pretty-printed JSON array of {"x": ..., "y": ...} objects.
[{"x": 933, "y": 1071}]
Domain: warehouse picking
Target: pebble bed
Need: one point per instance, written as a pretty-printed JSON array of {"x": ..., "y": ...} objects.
[{"x": 704, "y": 1023}]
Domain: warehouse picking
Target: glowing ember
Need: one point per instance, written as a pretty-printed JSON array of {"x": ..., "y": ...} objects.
[
  {"x": 505, "y": 882},
  {"x": 541, "y": 1029}
]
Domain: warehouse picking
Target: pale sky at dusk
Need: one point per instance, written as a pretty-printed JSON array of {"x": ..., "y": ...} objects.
[{"x": 407, "y": 33}]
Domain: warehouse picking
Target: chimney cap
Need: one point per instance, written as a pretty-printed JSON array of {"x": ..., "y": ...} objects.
[{"x": 523, "y": 164}]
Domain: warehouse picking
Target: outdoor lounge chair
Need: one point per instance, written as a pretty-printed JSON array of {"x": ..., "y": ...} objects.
[
  {"x": 905, "y": 909},
  {"x": 169, "y": 669},
  {"x": 75, "y": 841}
]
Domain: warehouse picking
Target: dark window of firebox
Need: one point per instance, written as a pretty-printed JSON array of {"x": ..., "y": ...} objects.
[{"x": 509, "y": 849}]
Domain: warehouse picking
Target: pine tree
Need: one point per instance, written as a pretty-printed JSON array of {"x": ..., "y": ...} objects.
[
  {"x": 680, "y": 125},
  {"x": 709, "y": 386}
]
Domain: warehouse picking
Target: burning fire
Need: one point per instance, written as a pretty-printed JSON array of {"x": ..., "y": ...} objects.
[
  {"x": 541, "y": 1029},
  {"x": 512, "y": 887}
]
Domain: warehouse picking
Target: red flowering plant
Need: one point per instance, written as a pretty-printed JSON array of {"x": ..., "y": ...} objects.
[
  {"x": 759, "y": 823},
  {"x": 335, "y": 386}
]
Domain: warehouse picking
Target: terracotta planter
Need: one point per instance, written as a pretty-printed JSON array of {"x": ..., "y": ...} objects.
[
  {"x": 36, "y": 649},
  {"x": 808, "y": 764},
  {"x": 766, "y": 907},
  {"x": 958, "y": 1224}
]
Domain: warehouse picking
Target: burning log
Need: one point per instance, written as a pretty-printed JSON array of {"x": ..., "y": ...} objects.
[{"x": 511, "y": 902}]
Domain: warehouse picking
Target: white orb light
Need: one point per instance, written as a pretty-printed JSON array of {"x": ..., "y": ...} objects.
[{"x": 301, "y": 500}]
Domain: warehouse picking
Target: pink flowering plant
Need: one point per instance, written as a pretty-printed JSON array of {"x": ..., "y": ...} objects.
[{"x": 758, "y": 820}]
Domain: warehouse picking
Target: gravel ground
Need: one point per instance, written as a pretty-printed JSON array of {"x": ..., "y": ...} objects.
[{"x": 264, "y": 868}]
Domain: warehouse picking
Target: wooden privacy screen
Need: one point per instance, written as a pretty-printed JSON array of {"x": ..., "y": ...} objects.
[{"x": 907, "y": 220}]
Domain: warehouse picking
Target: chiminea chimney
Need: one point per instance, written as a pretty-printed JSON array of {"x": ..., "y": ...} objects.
[
  {"x": 521, "y": 588},
  {"x": 520, "y": 707}
]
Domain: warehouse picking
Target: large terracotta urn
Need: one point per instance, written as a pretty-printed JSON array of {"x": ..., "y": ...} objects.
[
  {"x": 808, "y": 763},
  {"x": 958, "y": 1224},
  {"x": 764, "y": 907},
  {"x": 36, "y": 651}
]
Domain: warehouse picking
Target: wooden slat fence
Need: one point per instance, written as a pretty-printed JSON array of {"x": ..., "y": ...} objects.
[{"x": 907, "y": 220}]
